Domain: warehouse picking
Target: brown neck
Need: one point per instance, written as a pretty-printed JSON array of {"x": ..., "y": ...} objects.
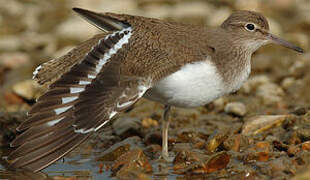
[{"x": 231, "y": 58}]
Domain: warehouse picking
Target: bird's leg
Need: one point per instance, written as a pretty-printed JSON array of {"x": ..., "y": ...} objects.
[{"x": 165, "y": 127}]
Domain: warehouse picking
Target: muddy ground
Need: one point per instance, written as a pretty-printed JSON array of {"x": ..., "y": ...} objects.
[{"x": 260, "y": 132}]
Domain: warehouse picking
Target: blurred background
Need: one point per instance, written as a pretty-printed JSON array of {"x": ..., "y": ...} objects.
[{"x": 35, "y": 31}]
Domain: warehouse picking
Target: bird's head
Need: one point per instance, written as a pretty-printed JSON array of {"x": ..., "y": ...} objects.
[{"x": 251, "y": 29}]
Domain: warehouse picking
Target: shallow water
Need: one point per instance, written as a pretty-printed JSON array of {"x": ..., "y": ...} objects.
[{"x": 86, "y": 168}]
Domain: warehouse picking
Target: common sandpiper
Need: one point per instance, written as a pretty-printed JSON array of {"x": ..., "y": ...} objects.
[{"x": 172, "y": 63}]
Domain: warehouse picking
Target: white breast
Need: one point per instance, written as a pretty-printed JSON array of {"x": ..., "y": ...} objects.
[{"x": 193, "y": 85}]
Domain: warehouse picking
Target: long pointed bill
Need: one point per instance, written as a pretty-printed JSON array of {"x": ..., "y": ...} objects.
[{"x": 284, "y": 43}]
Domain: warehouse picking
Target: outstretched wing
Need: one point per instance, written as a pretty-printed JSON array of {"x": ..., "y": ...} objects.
[
  {"x": 50, "y": 71},
  {"x": 77, "y": 104}
]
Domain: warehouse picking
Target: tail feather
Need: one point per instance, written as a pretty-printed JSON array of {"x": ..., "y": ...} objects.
[
  {"x": 35, "y": 144},
  {"x": 40, "y": 130},
  {"x": 37, "y": 159}
]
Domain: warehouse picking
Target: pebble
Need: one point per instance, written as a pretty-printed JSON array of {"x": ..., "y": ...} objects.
[
  {"x": 214, "y": 163},
  {"x": 254, "y": 81},
  {"x": 76, "y": 28},
  {"x": 217, "y": 162},
  {"x": 216, "y": 139},
  {"x": 261, "y": 123},
  {"x": 35, "y": 42},
  {"x": 288, "y": 82},
  {"x": 263, "y": 146},
  {"x": 235, "y": 108},
  {"x": 293, "y": 150},
  {"x": 127, "y": 126},
  {"x": 270, "y": 93},
  {"x": 120, "y": 148},
  {"x": 28, "y": 89},
  {"x": 11, "y": 98},
  {"x": 149, "y": 122},
  {"x": 14, "y": 60},
  {"x": 219, "y": 103},
  {"x": 133, "y": 160},
  {"x": 153, "y": 151},
  {"x": 10, "y": 43},
  {"x": 185, "y": 159},
  {"x": 304, "y": 133},
  {"x": 306, "y": 146},
  {"x": 233, "y": 143},
  {"x": 281, "y": 164}
]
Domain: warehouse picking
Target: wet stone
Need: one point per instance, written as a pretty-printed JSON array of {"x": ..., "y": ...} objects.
[
  {"x": 120, "y": 148},
  {"x": 258, "y": 124},
  {"x": 306, "y": 146},
  {"x": 263, "y": 146},
  {"x": 235, "y": 142},
  {"x": 293, "y": 138},
  {"x": 212, "y": 164},
  {"x": 184, "y": 159},
  {"x": 133, "y": 160},
  {"x": 217, "y": 162},
  {"x": 304, "y": 133},
  {"x": 262, "y": 156},
  {"x": 191, "y": 135},
  {"x": 130, "y": 174},
  {"x": 253, "y": 156},
  {"x": 293, "y": 150},
  {"x": 280, "y": 165},
  {"x": 216, "y": 139},
  {"x": 235, "y": 108},
  {"x": 153, "y": 151},
  {"x": 280, "y": 146}
]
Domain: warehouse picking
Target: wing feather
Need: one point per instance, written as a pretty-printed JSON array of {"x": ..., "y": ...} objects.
[{"x": 80, "y": 102}]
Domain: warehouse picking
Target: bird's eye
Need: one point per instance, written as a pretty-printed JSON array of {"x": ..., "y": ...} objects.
[{"x": 250, "y": 27}]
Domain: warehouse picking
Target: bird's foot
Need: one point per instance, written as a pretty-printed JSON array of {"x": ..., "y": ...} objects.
[{"x": 166, "y": 158}]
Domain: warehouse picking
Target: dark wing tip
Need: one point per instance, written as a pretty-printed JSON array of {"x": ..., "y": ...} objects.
[
  {"x": 79, "y": 10},
  {"x": 102, "y": 21}
]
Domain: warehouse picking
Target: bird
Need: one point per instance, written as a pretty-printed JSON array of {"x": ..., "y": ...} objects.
[{"x": 134, "y": 57}]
